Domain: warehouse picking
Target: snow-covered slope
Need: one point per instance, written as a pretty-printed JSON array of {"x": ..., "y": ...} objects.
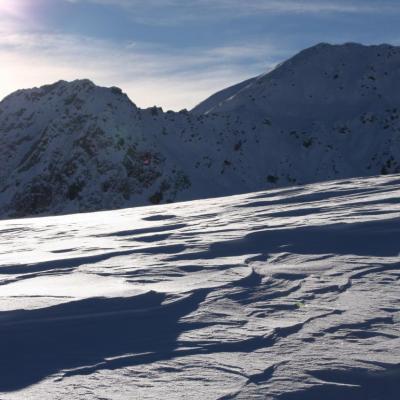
[
  {"x": 287, "y": 294},
  {"x": 329, "y": 112}
]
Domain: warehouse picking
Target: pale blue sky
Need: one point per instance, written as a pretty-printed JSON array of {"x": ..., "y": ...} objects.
[{"x": 174, "y": 53}]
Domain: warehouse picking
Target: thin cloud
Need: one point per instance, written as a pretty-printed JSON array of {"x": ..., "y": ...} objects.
[
  {"x": 171, "y": 76},
  {"x": 149, "y": 74},
  {"x": 253, "y": 6},
  {"x": 306, "y": 6},
  {"x": 181, "y": 12}
]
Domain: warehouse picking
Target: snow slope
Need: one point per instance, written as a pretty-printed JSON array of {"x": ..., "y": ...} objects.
[
  {"x": 330, "y": 112},
  {"x": 291, "y": 293}
]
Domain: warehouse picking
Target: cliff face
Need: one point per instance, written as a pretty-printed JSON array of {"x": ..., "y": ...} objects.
[{"x": 329, "y": 112}]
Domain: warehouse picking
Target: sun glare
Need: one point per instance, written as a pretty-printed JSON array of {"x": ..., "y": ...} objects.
[{"x": 11, "y": 7}]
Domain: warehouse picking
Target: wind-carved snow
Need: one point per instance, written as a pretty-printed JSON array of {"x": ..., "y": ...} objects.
[{"x": 286, "y": 294}]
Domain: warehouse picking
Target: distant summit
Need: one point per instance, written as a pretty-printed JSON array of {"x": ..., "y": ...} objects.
[
  {"x": 324, "y": 74},
  {"x": 330, "y": 112}
]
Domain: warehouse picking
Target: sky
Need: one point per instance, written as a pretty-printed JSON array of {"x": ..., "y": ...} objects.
[{"x": 174, "y": 53}]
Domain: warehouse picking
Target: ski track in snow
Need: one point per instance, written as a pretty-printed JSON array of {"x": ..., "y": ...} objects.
[{"x": 287, "y": 294}]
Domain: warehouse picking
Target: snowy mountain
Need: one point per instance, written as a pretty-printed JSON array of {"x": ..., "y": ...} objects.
[
  {"x": 287, "y": 294},
  {"x": 329, "y": 112}
]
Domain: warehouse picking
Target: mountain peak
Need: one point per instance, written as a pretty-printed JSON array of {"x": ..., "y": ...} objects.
[
  {"x": 61, "y": 94},
  {"x": 320, "y": 75},
  {"x": 63, "y": 88},
  {"x": 347, "y": 46},
  {"x": 77, "y": 83}
]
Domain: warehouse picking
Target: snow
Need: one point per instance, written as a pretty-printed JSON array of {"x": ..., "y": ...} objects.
[
  {"x": 78, "y": 285},
  {"x": 291, "y": 293}
]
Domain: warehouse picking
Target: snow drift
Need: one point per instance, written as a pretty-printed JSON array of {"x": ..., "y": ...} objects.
[{"x": 291, "y": 293}]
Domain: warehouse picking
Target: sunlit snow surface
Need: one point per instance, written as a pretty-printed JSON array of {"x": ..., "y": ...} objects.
[{"x": 286, "y": 294}]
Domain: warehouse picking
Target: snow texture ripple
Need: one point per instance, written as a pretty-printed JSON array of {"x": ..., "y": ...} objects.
[{"x": 287, "y": 294}]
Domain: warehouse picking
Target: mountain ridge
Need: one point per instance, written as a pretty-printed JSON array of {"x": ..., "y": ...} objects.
[{"x": 329, "y": 112}]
